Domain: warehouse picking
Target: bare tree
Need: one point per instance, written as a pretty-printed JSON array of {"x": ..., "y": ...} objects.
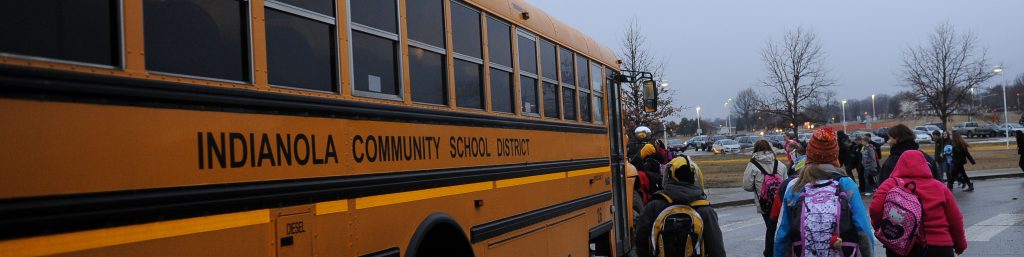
[
  {"x": 744, "y": 107},
  {"x": 942, "y": 72},
  {"x": 636, "y": 56},
  {"x": 822, "y": 106},
  {"x": 796, "y": 74}
]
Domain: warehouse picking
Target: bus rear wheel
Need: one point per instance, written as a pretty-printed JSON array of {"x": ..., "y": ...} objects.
[{"x": 439, "y": 236}]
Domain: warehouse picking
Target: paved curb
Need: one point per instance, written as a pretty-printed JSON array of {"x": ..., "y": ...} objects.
[
  {"x": 751, "y": 201},
  {"x": 997, "y": 176},
  {"x": 732, "y": 203}
]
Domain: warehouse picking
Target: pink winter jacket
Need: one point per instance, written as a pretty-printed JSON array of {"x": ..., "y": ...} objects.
[{"x": 943, "y": 223}]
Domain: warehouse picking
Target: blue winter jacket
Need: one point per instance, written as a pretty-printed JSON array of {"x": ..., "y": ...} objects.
[{"x": 861, "y": 221}]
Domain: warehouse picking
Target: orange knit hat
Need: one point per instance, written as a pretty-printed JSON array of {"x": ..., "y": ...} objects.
[{"x": 823, "y": 148}]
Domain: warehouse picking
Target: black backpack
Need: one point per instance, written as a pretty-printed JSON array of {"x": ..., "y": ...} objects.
[{"x": 678, "y": 231}]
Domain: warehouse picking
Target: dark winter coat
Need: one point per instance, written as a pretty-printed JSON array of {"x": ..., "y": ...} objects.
[
  {"x": 894, "y": 156},
  {"x": 633, "y": 150},
  {"x": 961, "y": 155},
  {"x": 943, "y": 223},
  {"x": 939, "y": 144},
  {"x": 680, "y": 193},
  {"x": 844, "y": 150},
  {"x": 651, "y": 167},
  {"x": 1020, "y": 147}
]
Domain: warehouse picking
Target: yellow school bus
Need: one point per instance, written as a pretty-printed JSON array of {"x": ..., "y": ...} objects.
[{"x": 305, "y": 128}]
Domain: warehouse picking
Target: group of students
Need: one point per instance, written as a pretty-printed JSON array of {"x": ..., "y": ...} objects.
[
  {"x": 951, "y": 154},
  {"x": 672, "y": 215},
  {"x": 810, "y": 204}
]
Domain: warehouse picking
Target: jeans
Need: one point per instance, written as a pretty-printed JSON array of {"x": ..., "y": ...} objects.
[
  {"x": 769, "y": 235},
  {"x": 1021, "y": 163},
  {"x": 860, "y": 175},
  {"x": 947, "y": 169},
  {"x": 870, "y": 179},
  {"x": 959, "y": 174}
]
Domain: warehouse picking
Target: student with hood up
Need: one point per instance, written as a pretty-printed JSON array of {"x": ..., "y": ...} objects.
[
  {"x": 681, "y": 187},
  {"x": 942, "y": 221}
]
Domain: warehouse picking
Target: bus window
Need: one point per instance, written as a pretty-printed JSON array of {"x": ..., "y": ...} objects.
[
  {"x": 468, "y": 58},
  {"x": 427, "y": 62},
  {"x": 467, "y": 83},
  {"x": 568, "y": 103},
  {"x": 375, "y": 58},
  {"x": 528, "y": 92},
  {"x": 300, "y": 46},
  {"x": 566, "y": 59},
  {"x": 197, "y": 38},
  {"x": 325, "y": 7},
  {"x": 528, "y": 73},
  {"x": 568, "y": 84},
  {"x": 549, "y": 68},
  {"x": 499, "y": 49},
  {"x": 597, "y": 89},
  {"x": 79, "y": 31},
  {"x": 548, "y": 62},
  {"x": 583, "y": 80},
  {"x": 550, "y": 100}
]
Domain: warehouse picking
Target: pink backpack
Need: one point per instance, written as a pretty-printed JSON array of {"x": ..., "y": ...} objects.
[
  {"x": 769, "y": 187},
  {"x": 821, "y": 222},
  {"x": 902, "y": 212}
]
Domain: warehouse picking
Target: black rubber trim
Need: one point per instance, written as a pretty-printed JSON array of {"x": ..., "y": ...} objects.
[
  {"x": 428, "y": 224},
  {"x": 492, "y": 229},
  {"x": 23, "y": 217},
  {"x": 21, "y": 82},
  {"x": 390, "y": 252},
  {"x": 600, "y": 230}
]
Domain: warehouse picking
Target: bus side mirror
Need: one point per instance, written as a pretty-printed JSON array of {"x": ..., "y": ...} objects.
[{"x": 650, "y": 96}]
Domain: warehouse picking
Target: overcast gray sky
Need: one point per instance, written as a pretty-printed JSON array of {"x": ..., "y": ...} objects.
[{"x": 711, "y": 48}]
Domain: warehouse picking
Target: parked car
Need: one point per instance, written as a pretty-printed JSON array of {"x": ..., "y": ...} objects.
[
  {"x": 922, "y": 137},
  {"x": 699, "y": 142},
  {"x": 803, "y": 137},
  {"x": 676, "y": 146},
  {"x": 745, "y": 142},
  {"x": 974, "y": 129},
  {"x": 928, "y": 128},
  {"x": 876, "y": 139},
  {"x": 1000, "y": 130},
  {"x": 726, "y": 146},
  {"x": 777, "y": 141},
  {"x": 883, "y": 132}
]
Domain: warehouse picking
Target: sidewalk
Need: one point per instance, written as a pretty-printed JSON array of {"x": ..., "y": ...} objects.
[{"x": 722, "y": 197}]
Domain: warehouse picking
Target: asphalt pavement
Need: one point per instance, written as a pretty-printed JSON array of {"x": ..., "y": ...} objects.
[{"x": 993, "y": 216}]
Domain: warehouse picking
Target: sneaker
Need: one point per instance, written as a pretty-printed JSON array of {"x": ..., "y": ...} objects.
[{"x": 867, "y": 194}]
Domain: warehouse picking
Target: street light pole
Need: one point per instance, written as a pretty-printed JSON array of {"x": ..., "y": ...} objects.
[
  {"x": 844, "y": 114},
  {"x": 698, "y": 121},
  {"x": 1006, "y": 118},
  {"x": 970, "y": 117},
  {"x": 873, "y": 114},
  {"x": 728, "y": 116}
]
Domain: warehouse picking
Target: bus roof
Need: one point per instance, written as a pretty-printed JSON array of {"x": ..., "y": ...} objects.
[{"x": 548, "y": 27}]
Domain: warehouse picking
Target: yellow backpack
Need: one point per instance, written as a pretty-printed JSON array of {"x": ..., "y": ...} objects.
[{"x": 678, "y": 231}]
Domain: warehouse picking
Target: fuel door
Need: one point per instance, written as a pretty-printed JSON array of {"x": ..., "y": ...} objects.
[{"x": 294, "y": 234}]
